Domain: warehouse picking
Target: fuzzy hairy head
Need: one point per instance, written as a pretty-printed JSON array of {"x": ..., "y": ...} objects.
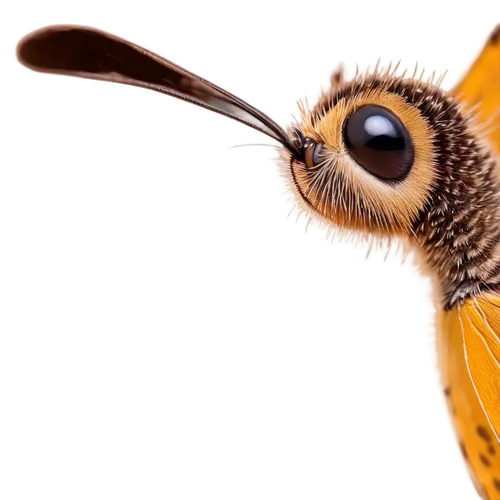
[{"x": 445, "y": 198}]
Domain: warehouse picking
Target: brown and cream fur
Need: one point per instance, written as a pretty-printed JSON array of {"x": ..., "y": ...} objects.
[{"x": 448, "y": 207}]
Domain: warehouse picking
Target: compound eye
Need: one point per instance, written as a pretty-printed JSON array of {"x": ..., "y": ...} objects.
[{"x": 378, "y": 140}]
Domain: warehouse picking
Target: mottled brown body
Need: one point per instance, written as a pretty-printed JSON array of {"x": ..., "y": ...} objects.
[{"x": 457, "y": 228}]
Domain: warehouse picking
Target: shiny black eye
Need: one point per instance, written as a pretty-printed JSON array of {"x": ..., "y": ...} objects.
[{"x": 379, "y": 142}]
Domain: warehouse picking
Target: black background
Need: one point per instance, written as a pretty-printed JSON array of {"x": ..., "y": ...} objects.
[{"x": 331, "y": 348}]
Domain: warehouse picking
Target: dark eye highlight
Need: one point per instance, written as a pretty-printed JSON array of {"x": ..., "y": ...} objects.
[{"x": 378, "y": 140}]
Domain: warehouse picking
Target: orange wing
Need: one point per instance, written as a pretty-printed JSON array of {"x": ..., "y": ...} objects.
[
  {"x": 481, "y": 87},
  {"x": 481, "y": 335},
  {"x": 469, "y": 356}
]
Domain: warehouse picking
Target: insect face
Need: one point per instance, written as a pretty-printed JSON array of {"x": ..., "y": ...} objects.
[{"x": 368, "y": 158}]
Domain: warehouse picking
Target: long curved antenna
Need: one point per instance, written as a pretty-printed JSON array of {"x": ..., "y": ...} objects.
[{"x": 90, "y": 53}]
